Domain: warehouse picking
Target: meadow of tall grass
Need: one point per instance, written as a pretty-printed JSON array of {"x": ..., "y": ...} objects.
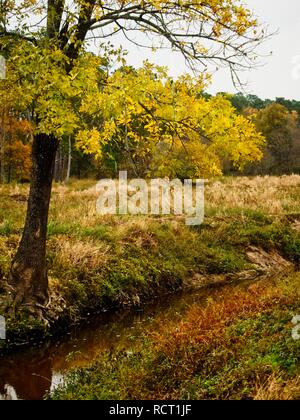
[{"x": 98, "y": 262}]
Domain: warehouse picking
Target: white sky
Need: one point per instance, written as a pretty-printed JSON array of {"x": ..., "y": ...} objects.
[{"x": 280, "y": 76}]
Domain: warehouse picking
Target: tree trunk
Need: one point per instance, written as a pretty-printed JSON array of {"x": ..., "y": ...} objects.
[
  {"x": 57, "y": 165},
  {"x": 69, "y": 161},
  {"x": 2, "y": 148},
  {"x": 28, "y": 276}
]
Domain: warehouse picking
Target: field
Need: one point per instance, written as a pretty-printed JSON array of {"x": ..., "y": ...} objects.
[{"x": 99, "y": 262}]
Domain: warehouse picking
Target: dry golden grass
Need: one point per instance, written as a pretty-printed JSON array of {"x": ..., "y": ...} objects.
[
  {"x": 271, "y": 194},
  {"x": 275, "y": 388},
  {"x": 75, "y": 204},
  {"x": 78, "y": 253}
]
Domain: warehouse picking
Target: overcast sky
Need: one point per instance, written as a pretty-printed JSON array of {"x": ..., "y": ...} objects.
[{"x": 280, "y": 75}]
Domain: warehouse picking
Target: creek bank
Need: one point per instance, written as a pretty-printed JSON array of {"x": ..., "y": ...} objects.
[
  {"x": 265, "y": 264},
  {"x": 236, "y": 344}
]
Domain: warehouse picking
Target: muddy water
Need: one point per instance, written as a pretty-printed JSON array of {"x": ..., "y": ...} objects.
[{"x": 30, "y": 372}]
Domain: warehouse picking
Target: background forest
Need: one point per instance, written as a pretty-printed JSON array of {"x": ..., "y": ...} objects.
[{"x": 278, "y": 120}]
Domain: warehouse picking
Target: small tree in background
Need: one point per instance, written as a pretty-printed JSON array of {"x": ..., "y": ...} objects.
[
  {"x": 279, "y": 127},
  {"x": 15, "y": 134}
]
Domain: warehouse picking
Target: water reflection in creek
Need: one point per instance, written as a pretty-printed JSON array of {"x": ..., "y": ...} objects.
[{"x": 30, "y": 372}]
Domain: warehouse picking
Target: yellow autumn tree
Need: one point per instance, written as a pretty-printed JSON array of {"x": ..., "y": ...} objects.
[
  {"x": 15, "y": 162},
  {"x": 168, "y": 124},
  {"x": 50, "y": 76}
]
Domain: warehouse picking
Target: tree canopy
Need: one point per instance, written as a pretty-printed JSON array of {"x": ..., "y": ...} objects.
[
  {"x": 223, "y": 31},
  {"x": 66, "y": 92}
]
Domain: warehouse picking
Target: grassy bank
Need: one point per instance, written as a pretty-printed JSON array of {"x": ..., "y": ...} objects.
[
  {"x": 98, "y": 262},
  {"x": 239, "y": 346}
]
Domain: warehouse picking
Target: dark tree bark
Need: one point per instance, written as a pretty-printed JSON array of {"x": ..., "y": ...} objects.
[
  {"x": 28, "y": 276},
  {"x": 58, "y": 165},
  {"x": 67, "y": 179}
]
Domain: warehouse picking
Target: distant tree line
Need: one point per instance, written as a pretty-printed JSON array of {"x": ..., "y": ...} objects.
[{"x": 278, "y": 120}]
